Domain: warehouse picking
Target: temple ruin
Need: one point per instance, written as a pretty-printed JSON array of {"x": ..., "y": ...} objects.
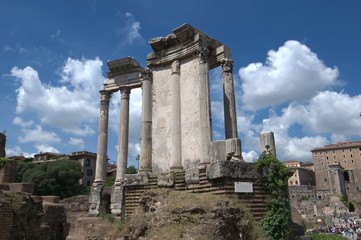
[{"x": 176, "y": 126}]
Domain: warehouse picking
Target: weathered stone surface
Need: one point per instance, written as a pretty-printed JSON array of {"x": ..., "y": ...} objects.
[
  {"x": 166, "y": 179},
  {"x": 232, "y": 169}
]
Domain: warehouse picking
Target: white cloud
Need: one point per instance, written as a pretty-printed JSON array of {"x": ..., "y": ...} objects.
[
  {"x": 46, "y": 148},
  {"x": 76, "y": 142},
  {"x": 250, "y": 156},
  {"x": 292, "y": 73},
  {"x": 68, "y": 106},
  {"x": 130, "y": 32},
  {"x": 17, "y": 151},
  {"x": 38, "y": 135},
  {"x": 18, "y": 121}
]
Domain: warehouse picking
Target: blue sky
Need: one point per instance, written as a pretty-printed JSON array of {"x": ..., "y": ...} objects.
[{"x": 297, "y": 69}]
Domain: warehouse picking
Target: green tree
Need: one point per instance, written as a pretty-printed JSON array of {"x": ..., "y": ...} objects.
[
  {"x": 3, "y": 162},
  {"x": 274, "y": 176},
  {"x": 59, "y": 178},
  {"x": 131, "y": 170},
  {"x": 21, "y": 168}
]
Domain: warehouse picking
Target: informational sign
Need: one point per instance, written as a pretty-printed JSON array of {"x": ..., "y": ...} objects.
[{"x": 243, "y": 187}]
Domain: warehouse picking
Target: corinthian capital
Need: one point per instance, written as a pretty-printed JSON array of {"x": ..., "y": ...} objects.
[
  {"x": 203, "y": 55},
  {"x": 146, "y": 73},
  {"x": 227, "y": 64}
]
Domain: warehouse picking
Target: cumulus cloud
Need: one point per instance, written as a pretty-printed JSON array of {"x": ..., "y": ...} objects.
[
  {"x": 39, "y": 135},
  {"x": 250, "y": 156},
  {"x": 69, "y": 106},
  {"x": 292, "y": 73},
  {"x": 76, "y": 142},
  {"x": 25, "y": 124},
  {"x": 46, "y": 148}
]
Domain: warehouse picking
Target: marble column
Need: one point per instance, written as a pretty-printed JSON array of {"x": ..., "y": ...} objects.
[
  {"x": 123, "y": 135},
  {"x": 176, "y": 150},
  {"x": 230, "y": 116},
  {"x": 204, "y": 106},
  {"x": 145, "y": 164},
  {"x": 95, "y": 198},
  {"x": 102, "y": 156}
]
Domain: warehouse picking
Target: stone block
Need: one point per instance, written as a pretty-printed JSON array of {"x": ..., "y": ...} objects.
[
  {"x": 218, "y": 151},
  {"x": 166, "y": 179},
  {"x": 233, "y": 148},
  {"x": 21, "y": 187},
  {"x": 231, "y": 169}
]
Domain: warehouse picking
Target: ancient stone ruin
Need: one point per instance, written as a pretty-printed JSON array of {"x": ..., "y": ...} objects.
[{"x": 176, "y": 128}]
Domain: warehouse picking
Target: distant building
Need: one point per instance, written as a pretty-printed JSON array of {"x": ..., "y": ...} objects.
[
  {"x": 46, "y": 156},
  {"x": 88, "y": 162},
  {"x": 302, "y": 173},
  {"x": 86, "y": 159},
  {"x": 339, "y": 162}
]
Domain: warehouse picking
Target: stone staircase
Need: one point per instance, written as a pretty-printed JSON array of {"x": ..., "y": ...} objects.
[
  {"x": 133, "y": 193},
  {"x": 6, "y": 222},
  {"x": 256, "y": 201}
]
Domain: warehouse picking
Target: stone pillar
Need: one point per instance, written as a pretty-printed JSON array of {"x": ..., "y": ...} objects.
[
  {"x": 145, "y": 163},
  {"x": 176, "y": 150},
  {"x": 102, "y": 156},
  {"x": 95, "y": 198},
  {"x": 230, "y": 115},
  {"x": 123, "y": 135},
  {"x": 204, "y": 107},
  {"x": 267, "y": 141}
]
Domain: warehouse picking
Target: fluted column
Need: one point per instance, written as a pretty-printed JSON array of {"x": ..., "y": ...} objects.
[
  {"x": 123, "y": 135},
  {"x": 176, "y": 150},
  {"x": 204, "y": 106},
  {"x": 230, "y": 115},
  {"x": 145, "y": 163},
  {"x": 102, "y": 156},
  {"x": 95, "y": 198}
]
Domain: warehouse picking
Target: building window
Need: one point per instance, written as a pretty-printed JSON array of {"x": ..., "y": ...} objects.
[
  {"x": 343, "y": 150},
  {"x": 334, "y": 157},
  {"x": 88, "y": 183},
  {"x": 333, "y": 151},
  {"x": 89, "y": 172},
  {"x": 343, "y": 156},
  {"x": 291, "y": 183},
  {"x": 327, "y": 158},
  {"x": 296, "y": 182},
  {"x": 325, "y": 179},
  {"x": 87, "y": 162},
  {"x": 322, "y": 164},
  {"x": 350, "y": 149},
  {"x": 352, "y": 161},
  {"x": 351, "y": 155},
  {"x": 345, "y": 161}
]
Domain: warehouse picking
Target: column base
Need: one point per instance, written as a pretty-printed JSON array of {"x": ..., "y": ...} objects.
[
  {"x": 176, "y": 169},
  {"x": 117, "y": 200},
  {"x": 95, "y": 198},
  {"x": 145, "y": 170}
]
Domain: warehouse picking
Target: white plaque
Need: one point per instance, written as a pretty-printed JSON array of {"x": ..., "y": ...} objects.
[{"x": 243, "y": 187}]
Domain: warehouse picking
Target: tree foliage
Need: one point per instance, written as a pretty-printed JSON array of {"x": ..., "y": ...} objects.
[
  {"x": 59, "y": 178},
  {"x": 274, "y": 176},
  {"x": 3, "y": 162}
]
